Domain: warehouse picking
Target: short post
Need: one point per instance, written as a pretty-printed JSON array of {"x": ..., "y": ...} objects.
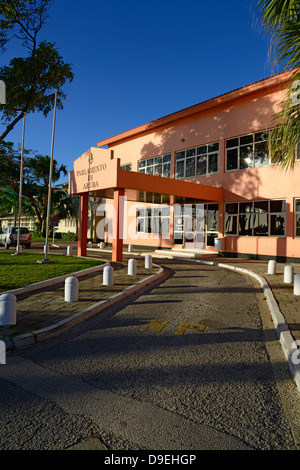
[
  {"x": 8, "y": 310},
  {"x": 132, "y": 267},
  {"x": 272, "y": 267},
  {"x": 108, "y": 276},
  {"x": 101, "y": 245},
  {"x": 89, "y": 244},
  {"x": 69, "y": 251},
  {"x": 71, "y": 289},
  {"x": 129, "y": 248},
  {"x": 297, "y": 284},
  {"x": 288, "y": 274},
  {"x": 148, "y": 262}
]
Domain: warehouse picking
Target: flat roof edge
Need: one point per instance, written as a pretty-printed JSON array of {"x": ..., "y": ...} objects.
[{"x": 275, "y": 80}]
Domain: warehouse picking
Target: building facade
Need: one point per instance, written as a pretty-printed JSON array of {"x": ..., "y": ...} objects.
[{"x": 200, "y": 178}]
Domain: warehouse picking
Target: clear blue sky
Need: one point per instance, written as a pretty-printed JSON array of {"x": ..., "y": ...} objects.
[{"x": 135, "y": 61}]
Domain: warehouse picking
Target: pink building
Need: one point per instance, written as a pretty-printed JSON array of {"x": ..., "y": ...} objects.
[{"x": 200, "y": 178}]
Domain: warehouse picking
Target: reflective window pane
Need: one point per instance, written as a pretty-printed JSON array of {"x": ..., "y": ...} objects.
[
  {"x": 298, "y": 225},
  {"x": 201, "y": 165},
  {"x": 232, "y": 208},
  {"x": 231, "y": 225},
  {"x": 261, "y": 225},
  {"x": 232, "y": 143},
  {"x": 261, "y": 154},
  {"x": 180, "y": 155},
  {"x": 245, "y": 224},
  {"x": 190, "y": 167},
  {"x": 201, "y": 150},
  {"x": 180, "y": 169},
  {"x": 278, "y": 206},
  {"x": 213, "y": 163},
  {"x": 232, "y": 159},
  {"x": 190, "y": 152},
  {"x": 277, "y": 225},
  {"x": 246, "y": 156},
  {"x": 246, "y": 139},
  {"x": 213, "y": 147}
]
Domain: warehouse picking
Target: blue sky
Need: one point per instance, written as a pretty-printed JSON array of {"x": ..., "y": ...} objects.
[{"x": 136, "y": 61}]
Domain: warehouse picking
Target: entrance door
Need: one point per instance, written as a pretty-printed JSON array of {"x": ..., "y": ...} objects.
[{"x": 196, "y": 226}]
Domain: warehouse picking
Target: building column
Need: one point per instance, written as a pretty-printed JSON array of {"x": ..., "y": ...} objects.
[
  {"x": 117, "y": 244},
  {"x": 83, "y": 225}
]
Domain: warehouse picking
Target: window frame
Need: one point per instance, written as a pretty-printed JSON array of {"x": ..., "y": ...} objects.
[
  {"x": 251, "y": 216},
  {"x": 183, "y": 156},
  {"x": 166, "y": 161},
  {"x": 243, "y": 145}
]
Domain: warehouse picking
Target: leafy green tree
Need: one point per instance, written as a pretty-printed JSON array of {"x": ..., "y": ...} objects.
[
  {"x": 35, "y": 183},
  {"x": 31, "y": 81},
  {"x": 282, "y": 21}
]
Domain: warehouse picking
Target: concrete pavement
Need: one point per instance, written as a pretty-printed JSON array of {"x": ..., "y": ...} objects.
[{"x": 44, "y": 313}]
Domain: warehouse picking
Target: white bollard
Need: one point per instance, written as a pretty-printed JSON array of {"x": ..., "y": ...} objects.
[
  {"x": 71, "y": 289},
  {"x": 69, "y": 251},
  {"x": 89, "y": 244},
  {"x": 132, "y": 267},
  {"x": 272, "y": 267},
  {"x": 129, "y": 248},
  {"x": 101, "y": 245},
  {"x": 288, "y": 274},
  {"x": 108, "y": 276},
  {"x": 297, "y": 284},
  {"x": 8, "y": 310},
  {"x": 148, "y": 261}
]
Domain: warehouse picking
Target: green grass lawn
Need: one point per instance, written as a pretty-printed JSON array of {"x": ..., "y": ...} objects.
[{"x": 22, "y": 270}]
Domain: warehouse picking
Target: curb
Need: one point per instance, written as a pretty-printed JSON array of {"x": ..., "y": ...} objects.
[
  {"x": 56, "y": 280},
  {"x": 59, "y": 327},
  {"x": 289, "y": 345}
]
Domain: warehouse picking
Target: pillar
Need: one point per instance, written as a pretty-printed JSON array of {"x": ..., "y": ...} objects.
[
  {"x": 83, "y": 224},
  {"x": 117, "y": 244}
]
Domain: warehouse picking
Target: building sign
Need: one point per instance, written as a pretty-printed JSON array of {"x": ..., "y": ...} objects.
[{"x": 93, "y": 171}]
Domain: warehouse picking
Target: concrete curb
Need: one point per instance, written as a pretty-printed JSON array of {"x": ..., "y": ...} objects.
[
  {"x": 56, "y": 280},
  {"x": 53, "y": 330},
  {"x": 288, "y": 343}
]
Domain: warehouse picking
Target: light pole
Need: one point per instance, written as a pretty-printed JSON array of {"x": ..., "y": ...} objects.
[
  {"x": 46, "y": 260},
  {"x": 21, "y": 188}
]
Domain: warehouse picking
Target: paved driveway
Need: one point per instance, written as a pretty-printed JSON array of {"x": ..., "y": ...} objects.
[{"x": 184, "y": 366}]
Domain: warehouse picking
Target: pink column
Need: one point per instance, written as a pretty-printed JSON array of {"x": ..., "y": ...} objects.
[
  {"x": 117, "y": 244},
  {"x": 83, "y": 225}
]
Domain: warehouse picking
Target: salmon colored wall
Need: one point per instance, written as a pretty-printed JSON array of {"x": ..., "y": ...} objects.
[{"x": 241, "y": 116}]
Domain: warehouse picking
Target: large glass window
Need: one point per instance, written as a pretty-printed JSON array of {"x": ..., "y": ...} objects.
[
  {"x": 157, "y": 166},
  {"x": 197, "y": 161},
  {"x": 127, "y": 167},
  {"x": 259, "y": 218},
  {"x": 248, "y": 151},
  {"x": 154, "y": 220}
]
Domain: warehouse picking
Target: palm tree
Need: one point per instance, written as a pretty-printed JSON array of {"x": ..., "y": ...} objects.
[{"x": 282, "y": 20}]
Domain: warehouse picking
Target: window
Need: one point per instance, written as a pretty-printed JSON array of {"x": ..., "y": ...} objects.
[
  {"x": 127, "y": 167},
  {"x": 248, "y": 151},
  {"x": 259, "y": 218},
  {"x": 154, "y": 220},
  {"x": 157, "y": 166},
  {"x": 197, "y": 161},
  {"x": 297, "y": 217}
]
